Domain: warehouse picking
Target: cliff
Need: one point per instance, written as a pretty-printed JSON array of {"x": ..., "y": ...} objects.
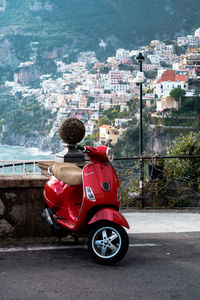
[
  {"x": 43, "y": 143},
  {"x": 161, "y": 138}
]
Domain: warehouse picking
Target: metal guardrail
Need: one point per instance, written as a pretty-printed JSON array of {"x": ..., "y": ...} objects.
[
  {"x": 22, "y": 167},
  {"x": 28, "y": 167},
  {"x": 165, "y": 184},
  {"x": 144, "y": 157}
]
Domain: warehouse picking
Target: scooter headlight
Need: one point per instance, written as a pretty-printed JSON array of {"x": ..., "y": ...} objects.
[
  {"x": 109, "y": 154},
  {"x": 90, "y": 194}
]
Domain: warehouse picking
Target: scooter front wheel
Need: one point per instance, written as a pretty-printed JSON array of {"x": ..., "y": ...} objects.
[{"x": 107, "y": 242}]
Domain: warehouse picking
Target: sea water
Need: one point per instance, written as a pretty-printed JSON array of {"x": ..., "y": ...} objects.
[
  {"x": 11, "y": 153},
  {"x": 8, "y": 154}
]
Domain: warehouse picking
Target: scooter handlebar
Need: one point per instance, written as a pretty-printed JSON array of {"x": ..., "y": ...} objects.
[
  {"x": 80, "y": 148},
  {"x": 84, "y": 149}
]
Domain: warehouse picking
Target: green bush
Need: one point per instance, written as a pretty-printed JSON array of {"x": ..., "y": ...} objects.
[{"x": 188, "y": 169}]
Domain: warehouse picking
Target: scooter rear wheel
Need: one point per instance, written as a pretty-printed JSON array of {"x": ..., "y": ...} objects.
[{"x": 107, "y": 242}]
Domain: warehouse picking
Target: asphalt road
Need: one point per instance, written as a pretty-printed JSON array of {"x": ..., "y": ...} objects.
[{"x": 157, "y": 266}]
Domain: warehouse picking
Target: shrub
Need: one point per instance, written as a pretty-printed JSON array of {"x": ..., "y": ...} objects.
[{"x": 189, "y": 168}]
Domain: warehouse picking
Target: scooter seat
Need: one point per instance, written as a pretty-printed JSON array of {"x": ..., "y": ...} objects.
[{"x": 67, "y": 172}]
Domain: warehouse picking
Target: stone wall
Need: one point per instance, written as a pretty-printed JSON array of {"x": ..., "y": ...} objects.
[{"x": 21, "y": 205}]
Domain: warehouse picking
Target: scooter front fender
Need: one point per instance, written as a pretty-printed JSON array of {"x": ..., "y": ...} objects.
[{"x": 109, "y": 214}]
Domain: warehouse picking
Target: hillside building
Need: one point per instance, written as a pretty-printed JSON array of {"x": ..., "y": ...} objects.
[
  {"x": 90, "y": 127},
  {"x": 155, "y": 43},
  {"x": 169, "y": 80},
  {"x": 122, "y": 54},
  {"x": 108, "y": 133},
  {"x": 189, "y": 40},
  {"x": 182, "y": 41},
  {"x": 154, "y": 59},
  {"x": 167, "y": 103},
  {"x": 120, "y": 122},
  {"x": 87, "y": 57},
  {"x": 197, "y": 33}
]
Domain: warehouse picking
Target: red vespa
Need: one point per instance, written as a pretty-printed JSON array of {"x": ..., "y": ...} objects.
[{"x": 87, "y": 201}]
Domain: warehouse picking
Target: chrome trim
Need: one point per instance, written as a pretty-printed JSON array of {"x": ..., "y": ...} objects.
[
  {"x": 118, "y": 194},
  {"x": 50, "y": 168},
  {"x": 107, "y": 150},
  {"x": 83, "y": 193}
]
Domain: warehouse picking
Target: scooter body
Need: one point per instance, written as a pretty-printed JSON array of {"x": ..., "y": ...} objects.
[{"x": 88, "y": 206}]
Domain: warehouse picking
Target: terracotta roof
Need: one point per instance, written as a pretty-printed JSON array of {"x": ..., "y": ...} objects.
[
  {"x": 170, "y": 75},
  {"x": 180, "y": 77},
  {"x": 105, "y": 126}
]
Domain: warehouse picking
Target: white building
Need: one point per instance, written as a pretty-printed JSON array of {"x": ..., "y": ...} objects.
[
  {"x": 119, "y": 122},
  {"x": 169, "y": 80},
  {"x": 182, "y": 41},
  {"x": 122, "y": 53},
  {"x": 87, "y": 57},
  {"x": 120, "y": 88},
  {"x": 154, "y": 59},
  {"x": 189, "y": 40},
  {"x": 192, "y": 40},
  {"x": 155, "y": 43},
  {"x": 197, "y": 33}
]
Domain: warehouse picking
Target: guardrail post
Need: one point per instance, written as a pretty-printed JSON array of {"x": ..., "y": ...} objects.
[{"x": 142, "y": 181}]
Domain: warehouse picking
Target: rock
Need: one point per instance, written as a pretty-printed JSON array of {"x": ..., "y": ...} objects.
[
  {"x": 2, "y": 207},
  {"x": 7, "y": 54},
  {"x": 6, "y": 229},
  {"x": 18, "y": 212},
  {"x": 10, "y": 196}
]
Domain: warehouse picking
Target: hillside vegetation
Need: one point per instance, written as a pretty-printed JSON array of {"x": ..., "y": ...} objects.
[{"x": 83, "y": 23}]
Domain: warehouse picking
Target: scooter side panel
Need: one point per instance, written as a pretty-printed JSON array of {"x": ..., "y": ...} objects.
[
  {"x": 96, "y": 176},
  {"x": 111, "y": 215},
  {"x": 63, "y": 199}
]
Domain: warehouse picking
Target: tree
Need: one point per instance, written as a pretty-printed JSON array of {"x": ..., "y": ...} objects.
[
  {"x": 151, "y": 74},
  {"x": 190, "y": 105},
  {"x": 184, "y": 169},
  {"x": 177, "y": 93},
  {"x": 103, "y": 121},
  {"x": 112, "y": 113},
  {"x": 149, "y": 91},
  {"x": 168, "y": 42},
  {"x": 104, "y": 70},
  {"x": 133, "y": 105},
  {"x": 88, "y": 142},
  {"x": 128, "y": 143},
  {"x": 164, "y": 64}
]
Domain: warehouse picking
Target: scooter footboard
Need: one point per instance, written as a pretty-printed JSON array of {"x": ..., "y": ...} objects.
[{"x": 109, "y": 214}]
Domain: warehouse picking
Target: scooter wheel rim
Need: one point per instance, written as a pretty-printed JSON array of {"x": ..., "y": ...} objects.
[{"x": 106, "y": 242}]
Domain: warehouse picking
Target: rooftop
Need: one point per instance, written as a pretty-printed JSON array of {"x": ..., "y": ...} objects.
[{"x": 171, "y": 75}]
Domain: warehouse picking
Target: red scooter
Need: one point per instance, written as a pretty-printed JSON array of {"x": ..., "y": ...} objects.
[{"x": 87, "y": 201}]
